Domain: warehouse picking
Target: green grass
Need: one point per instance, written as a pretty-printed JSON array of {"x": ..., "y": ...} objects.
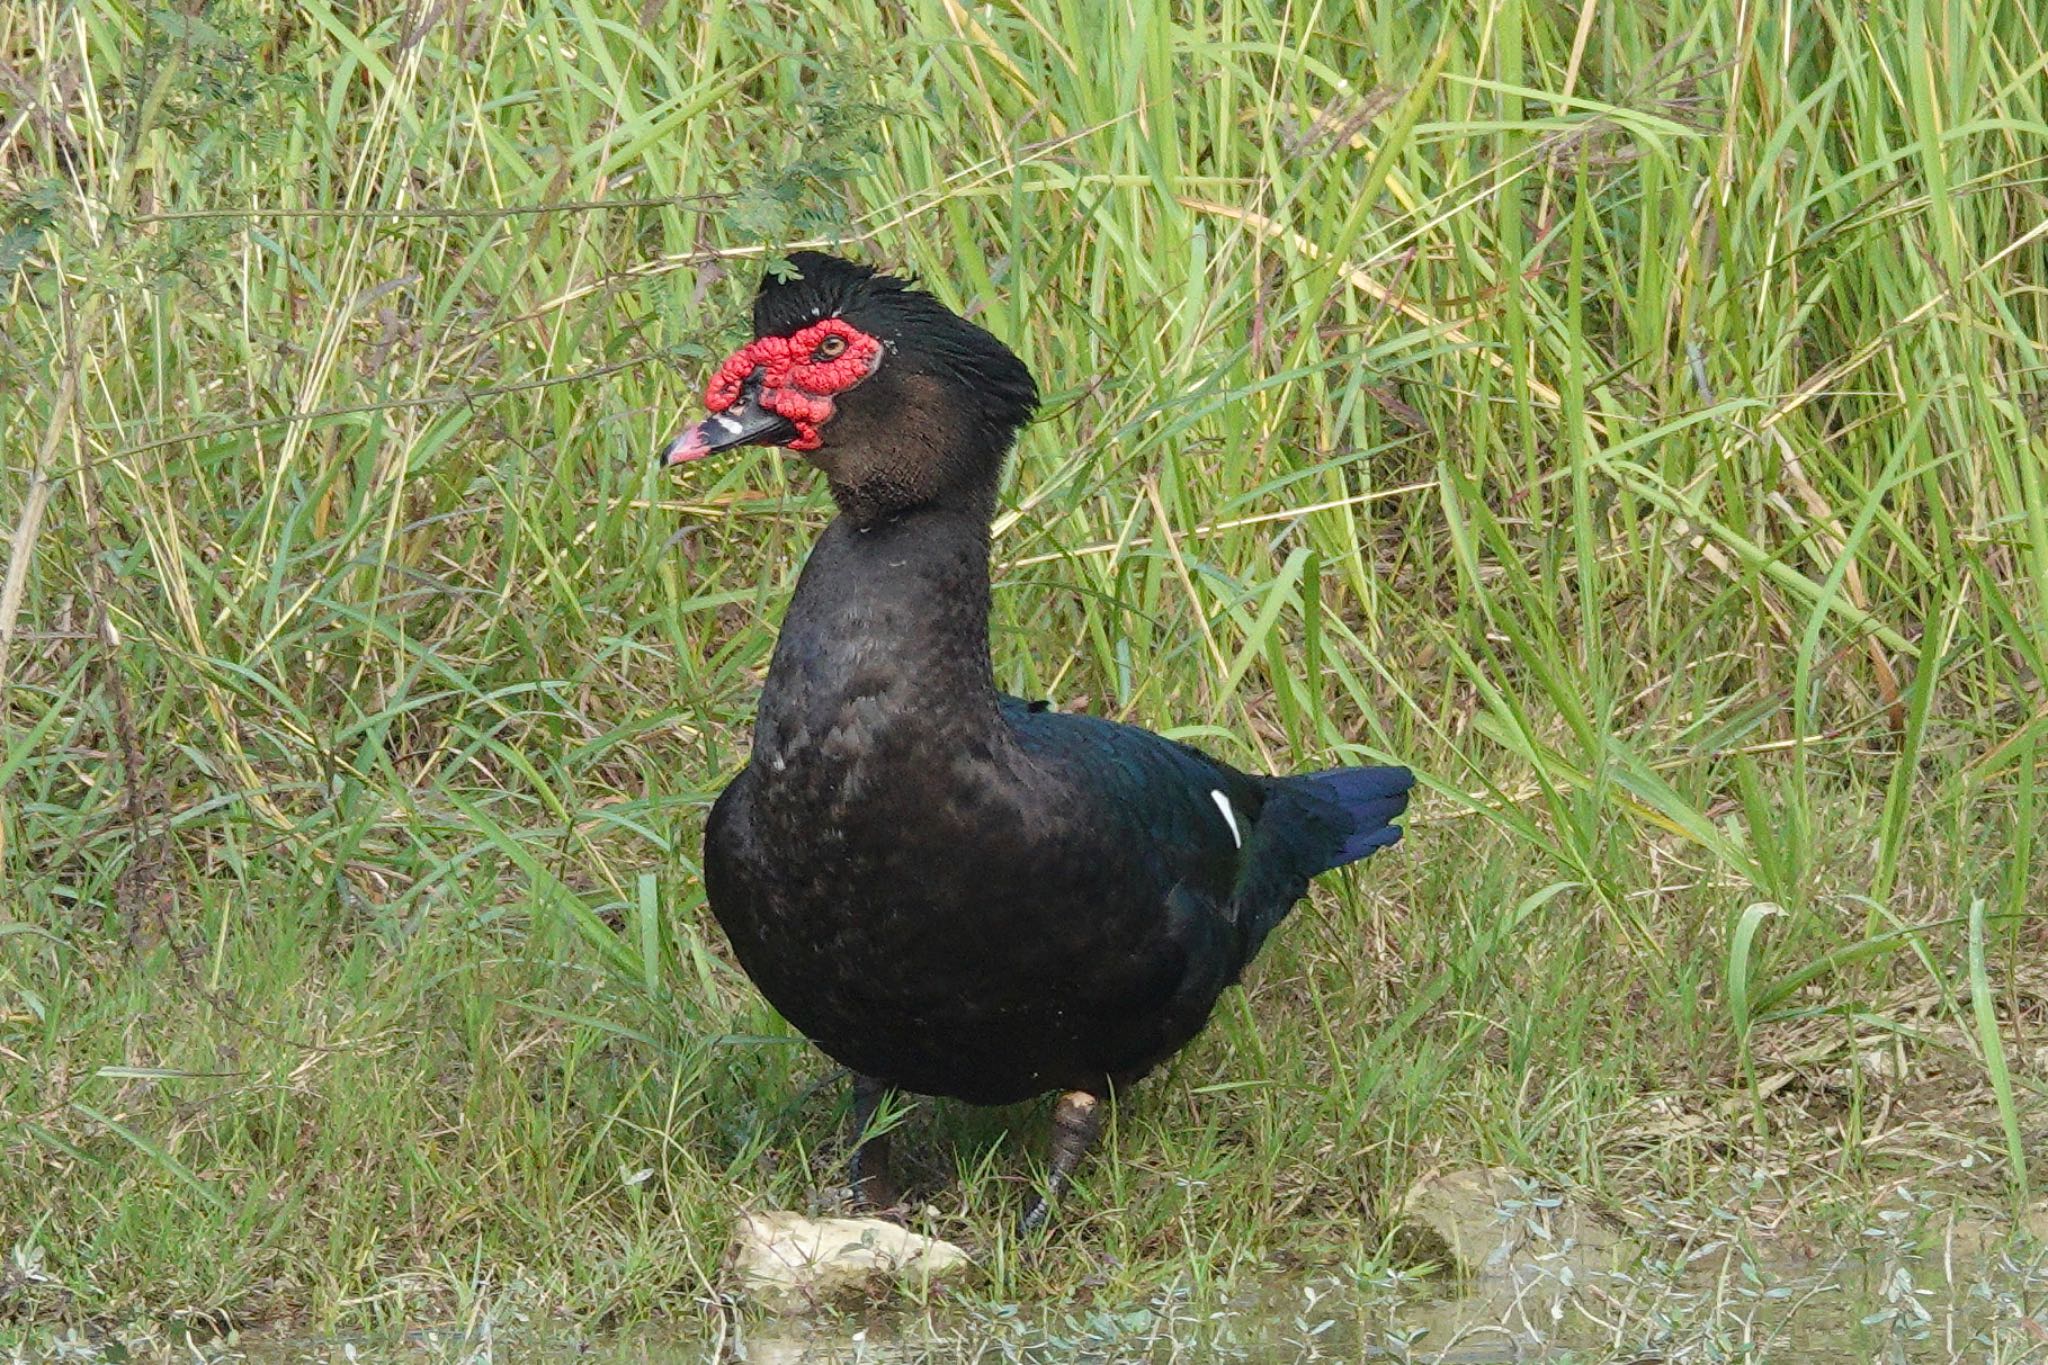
[{"x": 1631, "y": 418}]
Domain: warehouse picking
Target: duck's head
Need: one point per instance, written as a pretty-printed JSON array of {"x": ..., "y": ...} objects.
[{"x": 900, "y": 401}]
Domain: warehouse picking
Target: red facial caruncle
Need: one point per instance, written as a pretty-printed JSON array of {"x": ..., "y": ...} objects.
[{"x": 799, "y": 374}]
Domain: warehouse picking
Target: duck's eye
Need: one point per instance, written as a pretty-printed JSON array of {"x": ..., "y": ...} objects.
[{"x": 831, "y": 348}]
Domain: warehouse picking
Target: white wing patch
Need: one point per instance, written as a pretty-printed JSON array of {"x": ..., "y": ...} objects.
[{"x": 1229, "y": 815}]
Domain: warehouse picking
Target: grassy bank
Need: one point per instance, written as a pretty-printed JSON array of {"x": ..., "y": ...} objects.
[{"x": 1632, "y": 420}]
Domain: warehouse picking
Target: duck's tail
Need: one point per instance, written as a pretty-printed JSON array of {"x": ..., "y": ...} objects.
[
  {"x": 1346, "y": 813},
  {"x": 1313, "y": 822}
]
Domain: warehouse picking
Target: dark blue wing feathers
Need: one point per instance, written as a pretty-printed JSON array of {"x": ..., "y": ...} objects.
[{"x": 1280, "y": 832}]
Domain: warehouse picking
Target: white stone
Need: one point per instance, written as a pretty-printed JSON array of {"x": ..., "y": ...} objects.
[{"x": 788, "y": 1260}]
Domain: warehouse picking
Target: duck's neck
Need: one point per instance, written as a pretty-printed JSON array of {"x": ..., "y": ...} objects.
[{"x": 884, "y": 651}]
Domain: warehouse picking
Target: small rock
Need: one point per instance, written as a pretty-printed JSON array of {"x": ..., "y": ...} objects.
[
  {"x": 2034, "y": 1223},
  {"x": 1491, "y": 1221},
  {"x": 788, "y": 1260},
  {"x": 1978, "y": 1235}
]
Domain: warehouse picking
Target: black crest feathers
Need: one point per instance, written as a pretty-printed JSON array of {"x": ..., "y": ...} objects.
[{"x": 921, "y": 333}]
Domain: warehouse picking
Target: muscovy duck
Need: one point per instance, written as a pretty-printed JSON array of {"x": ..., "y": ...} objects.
[{"x": 949, "y": 890}]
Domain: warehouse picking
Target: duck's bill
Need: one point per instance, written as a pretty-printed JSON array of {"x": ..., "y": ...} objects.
[{"x": 745, "y": 423}]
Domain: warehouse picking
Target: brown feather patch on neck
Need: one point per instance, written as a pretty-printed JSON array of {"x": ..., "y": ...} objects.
[{"x": 917, "y": 450}]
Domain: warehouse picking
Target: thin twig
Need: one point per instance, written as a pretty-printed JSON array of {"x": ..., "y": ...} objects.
[
  {"x": 437, "y": 213},
  {"x": 41, "y": 485},
  {"x": 444, "y": 398}
]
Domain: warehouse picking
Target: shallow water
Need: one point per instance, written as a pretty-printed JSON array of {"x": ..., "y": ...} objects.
[
  {"x": 1886, "y": 1297},
  {"x": 1854, "y": 1310},
  {"x": 1545, "y": 1281}
]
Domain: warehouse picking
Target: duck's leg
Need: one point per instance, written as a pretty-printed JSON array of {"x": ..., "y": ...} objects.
[
  {"x": 874, "y": 1187},
  {"x": 1076, "y": 1120}
]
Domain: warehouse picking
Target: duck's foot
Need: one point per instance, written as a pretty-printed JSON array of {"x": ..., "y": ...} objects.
[
  {"x": 1076, "y": 1120},
  {"x": 874, "y": 1185}
]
